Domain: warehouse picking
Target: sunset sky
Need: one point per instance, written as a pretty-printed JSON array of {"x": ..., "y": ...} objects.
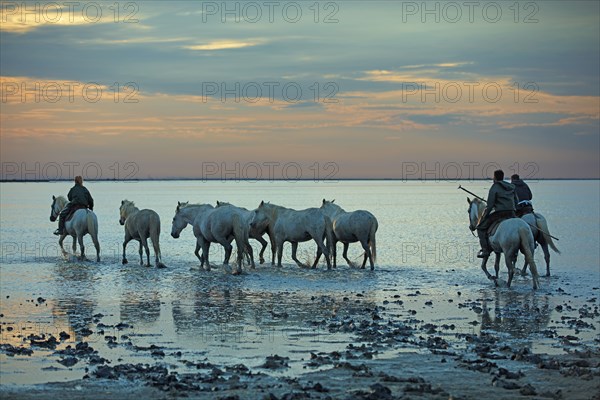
[{"x": 388, "y": 89}]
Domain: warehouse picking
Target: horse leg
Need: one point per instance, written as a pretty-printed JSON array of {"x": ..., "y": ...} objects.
[
  {"x": 157, "y": 254},
  {"x": 294, "y": 251},
  {"x": 319, "y": 253},
  {"x": 497, "y": 264},
  {"x": 80, "y": 240},
  {"x": 263, "y": 244},
  {"x": 97, "y": 246},
  {"x": 484, "y": 268},
  {"x": 525, "y": 265},
  {"x": 325, "y": 251},
  {"x": 367, "y": 249},
  {"x": 228, "y": 249},
  {"x": 197, "y": 252},
  {"x": 141, "y": 251},
  {"x": 127, "y": 240},
  {"x": 250, "y": 252},
  {"x": 60, "y": 243},
  {"x": 334, "y": 253},
  {"x": 273, "y": 250},
  {"x": 144, "y": 242},
  {"x": 509, "y": 259},
  {"x": 205, "y": 249},
  {"x": 74, "y": 244},
  {"x": 345, "y": 254},
  {"x": 279, "y": 249},
  {"x": 546, "y": 257}
]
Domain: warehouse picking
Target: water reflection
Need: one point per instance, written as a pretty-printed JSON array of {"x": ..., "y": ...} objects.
[
  {"x": 75, "y": 297},
  {"x": 519, "y": 314}
]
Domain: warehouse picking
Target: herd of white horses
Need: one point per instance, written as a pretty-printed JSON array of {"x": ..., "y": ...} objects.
[{"x": 326, "y": 225}]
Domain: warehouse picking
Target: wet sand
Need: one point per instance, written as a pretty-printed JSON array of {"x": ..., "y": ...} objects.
[{"x": 396, "y": 342}]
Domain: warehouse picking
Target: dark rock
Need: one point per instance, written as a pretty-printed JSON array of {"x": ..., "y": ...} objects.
[
  {"x": 275, "y": 362},
  {"x": 69, "y": 361}
]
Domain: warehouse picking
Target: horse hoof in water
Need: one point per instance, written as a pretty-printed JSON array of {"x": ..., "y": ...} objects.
[
  {"x": 262, "y": 260},
  {"x": 161, "y": 265},
  {"x": 124, "y": 261}
]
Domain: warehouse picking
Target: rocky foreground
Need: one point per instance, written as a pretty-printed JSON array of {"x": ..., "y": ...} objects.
[{"x": 394, "y": 355}]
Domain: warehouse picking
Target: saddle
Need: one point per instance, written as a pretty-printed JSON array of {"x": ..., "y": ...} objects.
[
  {"x": 72, "y": 210},
  {"x": 524, "y": 211},
  {"x": 494, "y": 225}
]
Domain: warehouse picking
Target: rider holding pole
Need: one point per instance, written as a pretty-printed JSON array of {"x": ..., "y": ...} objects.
[
  {"x": 77, "y": 195},
  {"x": 501, "y": 203}
]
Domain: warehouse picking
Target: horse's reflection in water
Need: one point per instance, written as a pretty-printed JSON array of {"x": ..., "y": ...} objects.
[
  {"x": 75, "y": 298},
  {"x": 139, "y": 307},
  {"x": 519, "y": 315}
]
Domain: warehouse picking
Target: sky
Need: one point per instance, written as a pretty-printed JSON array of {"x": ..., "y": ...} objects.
[{"x": 299, "y": 89}]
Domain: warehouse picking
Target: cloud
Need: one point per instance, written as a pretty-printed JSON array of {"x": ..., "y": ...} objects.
[
  {"x": 224, "y": 45},
  {"x": 21, "y": 17}
]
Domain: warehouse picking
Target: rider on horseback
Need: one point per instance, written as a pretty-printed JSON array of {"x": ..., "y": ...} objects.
[
  {"x": 524, "y": 206},
  {"x": 502, "y": 200},
  {"x": 78, "y": 195}
]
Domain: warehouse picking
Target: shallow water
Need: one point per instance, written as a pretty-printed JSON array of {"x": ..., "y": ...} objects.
[{"x": 426, "y": 256}]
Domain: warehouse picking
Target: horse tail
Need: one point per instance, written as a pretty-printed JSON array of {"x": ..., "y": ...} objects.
[
  {"x": 154, "y": 222},
  {"x": 526, "y": 247},
  {"x": 372, "y": 245},
  {"x": 329, "y": 234},
  {"x": 543, "y": 227},
  {"x": 241, "y": 233},
  {"x": 92, "y": 225}
]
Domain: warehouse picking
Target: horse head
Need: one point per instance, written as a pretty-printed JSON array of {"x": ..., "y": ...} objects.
[
  {"x": 475, "y": 212},
  {"x": 58, "y": 203},
  {"x": 331, "y": 209},
  {"x": 125, "y": 209},
  {"x": 261, "y": 216}
]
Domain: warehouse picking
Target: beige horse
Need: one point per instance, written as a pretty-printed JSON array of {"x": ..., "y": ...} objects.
[
  {"x": 541, "y": 233},
  {"x": 350, "y": 227},
  {"x": 141, "y": 225},
  {"x": 82, "y": 223},
  {"x": 255, "y": 233},
  {"x": 294, "y": 226}
]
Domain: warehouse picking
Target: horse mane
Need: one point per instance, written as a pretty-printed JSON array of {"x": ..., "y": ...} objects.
[
  {"x": 128, "y": 206},
  {"x": 61, "y": 200},
  {"x": 331, "y": 203},
  {"x": 182, "y": 205}
]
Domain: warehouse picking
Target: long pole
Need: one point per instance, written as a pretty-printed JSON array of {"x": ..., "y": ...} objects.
[{"x": 533, "y": 226}]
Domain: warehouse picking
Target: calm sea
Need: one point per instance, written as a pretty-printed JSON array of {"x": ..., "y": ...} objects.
[{"x": 423, "y": 243}]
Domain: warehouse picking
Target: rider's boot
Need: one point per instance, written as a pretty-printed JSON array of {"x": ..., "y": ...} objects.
[
  {"x": 61, "y": 226},
  {"x": 485, "y": 247}
]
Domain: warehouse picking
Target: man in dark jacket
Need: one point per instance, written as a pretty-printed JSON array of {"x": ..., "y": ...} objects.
[
  {"x": 524, "y": 206},
  {"x": 501, "y": 203},
  {"x": 78, "y": 195}
]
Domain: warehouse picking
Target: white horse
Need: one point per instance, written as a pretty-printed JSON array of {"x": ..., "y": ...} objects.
[
  {"x": 255, "y": 233},
  {"x": 185, "y": 214},
  {"x": 294, "y": 226},
  {"x": 350, "y": 227},
  {"x": 83, "y": 222},
  {"x": 512, "y": 235},
  {"x": 141, "y": 225},
  {"x": 215, "y": 225},
  {"x": 541, "y": 233}
]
